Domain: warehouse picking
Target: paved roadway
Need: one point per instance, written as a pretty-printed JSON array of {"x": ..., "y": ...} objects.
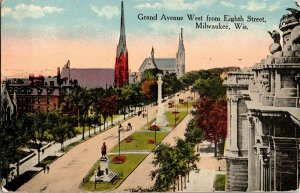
[{"x": 67, "y": 172}]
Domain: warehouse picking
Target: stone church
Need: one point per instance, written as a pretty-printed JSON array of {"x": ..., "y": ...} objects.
[
  {"x": 8, "y": 104},
  {"x": 170, "y": 65},
  {"x": 263, "y": 143}
]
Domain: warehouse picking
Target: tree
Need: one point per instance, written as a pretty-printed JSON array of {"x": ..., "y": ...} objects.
[
  {"x": 211, "y": 87},
  {"x": 193, "y": 134},
  {"x": 165, "y": 158},
  {"x": 62, "y": 128},
  {"x": 40, "y": 128},
  {"x": 211, "y": 116},
  {"x": 80, "y": 100},
  {"x": 149, "y": 90}
]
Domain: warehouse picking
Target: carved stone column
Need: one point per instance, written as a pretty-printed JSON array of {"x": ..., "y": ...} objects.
[
  {"x": 234, "y": 124},
  {"x": 251, "y": 156}
]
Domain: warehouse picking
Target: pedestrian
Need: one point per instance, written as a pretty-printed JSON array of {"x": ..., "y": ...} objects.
[
  {"x": 48, "y": 169},
  {"x": 129, "y": 127},
  {"x": 44, "y": 169},
  {"x": 103, "y": 150},
  {"x": 120, "y": 127}
]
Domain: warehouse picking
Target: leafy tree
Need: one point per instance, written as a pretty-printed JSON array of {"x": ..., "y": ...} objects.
[
  {"x": 193, "y": 134},
  {"x": 149, "y": 89},
  {"x": 211, "y": 87},
  {"x": 212, "y": 118},
  {"x": 40, "y": 129},
  {"x": 62, "y": 127},
  {"x": 80, "y": 100},
  {"x": 165, "y": 159}
]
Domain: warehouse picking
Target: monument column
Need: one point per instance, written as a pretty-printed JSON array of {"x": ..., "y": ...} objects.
[{"x": 160, "y": 119}]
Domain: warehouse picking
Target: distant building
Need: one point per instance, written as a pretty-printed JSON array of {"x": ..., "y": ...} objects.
[
  {"x": 87, "y": 77},
  {"x": 170, "y": 65},
  {"x": 263, "y": 144},
  {"x": 35, "y": 93},
  {"x": 121, "y": 65},
  {"x": 133, "y": 77},
  {"x": 8, "y": 104}
]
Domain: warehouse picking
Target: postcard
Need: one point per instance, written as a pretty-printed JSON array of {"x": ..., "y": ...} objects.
[{"x": 150, "y": 96}]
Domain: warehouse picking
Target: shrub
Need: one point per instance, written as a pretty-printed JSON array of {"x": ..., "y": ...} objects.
[
  {"x": 151, "y": 140},
  {"x": 128, "y": 139},
  {"x": 118, "y": 159},
  {"x": 154, "y": 127},
  {"x": 177, "y": 118}
]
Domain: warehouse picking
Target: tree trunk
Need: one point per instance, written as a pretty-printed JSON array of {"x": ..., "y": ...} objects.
[
  {"x": 104, "y": 119},
  {"x": 39, "y": 158},
  {"x": 95, "y": 129},
  {"x": 18, "y": 168},
  {"x": 78, "y": 119},
  {"x": 181, "y": 182},
  {"x": 89, "y": 131},
  {"x": 83, "y": 130},
  {"x": 216, "y": 147},
  {"x": 62, "y": 146},
  {"x": 185, "y": 181},
  {"x": 124, "y": 112},
  {"x": 112, "y": 120}
]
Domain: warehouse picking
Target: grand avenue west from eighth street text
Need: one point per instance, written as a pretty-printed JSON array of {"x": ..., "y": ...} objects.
[{"x": 209, "y": 18}]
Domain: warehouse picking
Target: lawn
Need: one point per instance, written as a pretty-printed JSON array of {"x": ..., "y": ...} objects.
[
  {"x": 219, "y": 183},
  {"x": 132, "y": 161},
  {"x": 140, "y": 141},
  {"x": 184, "y": 105},
  {"x": 171, "y": 117},
  {"x": 78, "y": 129}
]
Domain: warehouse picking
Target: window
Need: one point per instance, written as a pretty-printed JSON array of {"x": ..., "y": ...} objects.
[
  {"x": 48, "y": 101},
  {"x": 39, "y": 100}
]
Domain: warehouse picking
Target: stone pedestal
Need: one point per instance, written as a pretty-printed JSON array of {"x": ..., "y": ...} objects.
[{"x": 160, "y": 118}]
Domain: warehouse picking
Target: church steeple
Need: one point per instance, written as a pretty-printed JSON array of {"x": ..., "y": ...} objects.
[
  {"x": 180, "y": 56},
  {"x": 121, "y": 66},
  {"x": 122, "y": 40},
  {"x": 152, "y": 57}
]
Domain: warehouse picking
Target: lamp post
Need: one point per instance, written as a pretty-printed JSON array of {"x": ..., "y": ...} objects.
[
  {"x": 119, "y": 137},
  {"x": 147, "y": 114},
  {"x": 175, "y": 115},
  {"x": 155, "y": 133}
]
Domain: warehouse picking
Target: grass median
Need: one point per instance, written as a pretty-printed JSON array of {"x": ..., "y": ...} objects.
[{"x": 132, "y": 161}]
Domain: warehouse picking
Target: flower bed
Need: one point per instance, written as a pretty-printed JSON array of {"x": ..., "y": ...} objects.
[
  {"x": 151, "y": 140},
  {"x": 118, "y": 159},
  {"x": 128, "y": 139},
  {"x": 154, "y": 127}
]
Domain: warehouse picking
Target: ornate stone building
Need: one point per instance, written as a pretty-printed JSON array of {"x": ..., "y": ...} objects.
[
  {"x": 263, "y": 140},
  {"x": 121, "y": 66}
]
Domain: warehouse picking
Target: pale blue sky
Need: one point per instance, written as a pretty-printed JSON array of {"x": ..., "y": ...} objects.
[{"x": 98, "y": 18}]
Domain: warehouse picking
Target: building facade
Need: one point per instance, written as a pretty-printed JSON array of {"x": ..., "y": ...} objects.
[
  {"x": 170, "y": 65},
  {"x": 36, "y": 93},
  {"x": 263, "y": 142},
  {"x": 121, "y": 65}
]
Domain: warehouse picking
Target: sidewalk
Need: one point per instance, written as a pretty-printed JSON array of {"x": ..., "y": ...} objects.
[
  {"x": 68, "y": 171},
  {"x": 203, "y": 181},
  {"x": 55, "y": 149}
]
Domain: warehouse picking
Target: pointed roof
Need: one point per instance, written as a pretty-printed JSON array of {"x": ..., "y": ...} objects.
[
  {"x": 122, "y": 40},
  {"x": 181, "y": 45},
  {"x": 152, "y": 57}
]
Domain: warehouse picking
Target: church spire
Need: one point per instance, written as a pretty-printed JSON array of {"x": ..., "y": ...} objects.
[
  {"x": 152, "y": 57},
  {"x": 121, "y": 66},
  {"x": 122, "y": 40},
  {"x": 181, "y": 45}
]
